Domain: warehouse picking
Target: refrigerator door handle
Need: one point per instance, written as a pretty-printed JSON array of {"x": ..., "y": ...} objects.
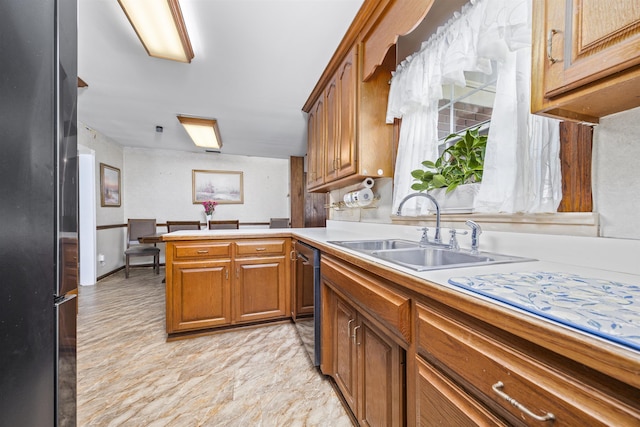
[{"x": 63, "y": 298}]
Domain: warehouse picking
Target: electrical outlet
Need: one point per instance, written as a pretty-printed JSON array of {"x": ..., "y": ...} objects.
[{"x": 101, "y": 258}]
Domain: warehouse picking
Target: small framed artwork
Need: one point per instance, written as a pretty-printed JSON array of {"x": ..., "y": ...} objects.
[
  {"x": 225, "y": 187},
  {"x": 109, "y": 186}
]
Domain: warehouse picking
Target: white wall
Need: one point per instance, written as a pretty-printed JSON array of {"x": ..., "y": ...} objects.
[
  {"x": 616, "y": 174},
  {"x": 157, "y": 184},
  {"x": 110, "y": 242}
]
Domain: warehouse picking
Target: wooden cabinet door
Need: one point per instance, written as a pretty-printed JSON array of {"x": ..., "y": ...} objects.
[
  {"x": 303, "y": 286},
  {"x": 347, "y": 80},
  {"x": 380, "y": 396},
  {"x": 585, "y": 58},
  {"x": 588, "y": 40},
  {"x": 200, "y": 295},
  {"x": 260, "y": 288},
  {"x": 345, "y": 356},
  {"x": 332, "y": 125},
  {"x": 316, "y": 144}
]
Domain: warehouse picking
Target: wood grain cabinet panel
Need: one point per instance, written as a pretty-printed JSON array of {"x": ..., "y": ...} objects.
[
  {"x": 199, "y": 295},
  {"x": 586, "y": 58},
  {"x": 302, "y": 286},
  {"x": 260, "y": 289},
  {"x": 366, "y": 362},
  {"x": 498, "y": 374},
  {"x": 440, "y": 402},
  {"x": 347, "y": 128},
  {"x": 316, "y": 141},
  {"x": 213, "y": 284}
]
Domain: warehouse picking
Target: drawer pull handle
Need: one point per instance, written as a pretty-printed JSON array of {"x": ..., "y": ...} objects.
[
  {"x": 203, "y": 251},
  {"x": 497, "y": 386},
  {"x": 261, "y": 249},
  {"x": 293, "y": 256},
  {"x": 550, "y": 57}
]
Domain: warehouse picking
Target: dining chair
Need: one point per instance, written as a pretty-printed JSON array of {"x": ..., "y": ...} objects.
[
  {"x": 279, "y": 223},
  {"x": 228, "y": 224},
  {"x": 182, "y": 225},
  {"x": 137, "y": 228}
]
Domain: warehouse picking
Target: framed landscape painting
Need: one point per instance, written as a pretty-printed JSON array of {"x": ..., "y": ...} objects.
[
  {"x": 109, "y": 186},
  {"x": 221, "y": 186}
]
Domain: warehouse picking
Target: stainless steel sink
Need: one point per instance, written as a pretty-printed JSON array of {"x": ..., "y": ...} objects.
[
  {"x": 433, "y": 258},
  {"x": 376, "y": 245}
]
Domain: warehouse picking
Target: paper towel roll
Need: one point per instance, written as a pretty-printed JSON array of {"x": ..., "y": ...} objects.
[{"x": 367, "y": 183}]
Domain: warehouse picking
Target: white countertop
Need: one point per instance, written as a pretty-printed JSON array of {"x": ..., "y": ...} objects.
[
  {"x": 606, "y": 323},
  {"x": 587, "y": 257}
]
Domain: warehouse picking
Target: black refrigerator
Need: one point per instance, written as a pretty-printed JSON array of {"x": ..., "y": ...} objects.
[{"x": 38, "y": 212}]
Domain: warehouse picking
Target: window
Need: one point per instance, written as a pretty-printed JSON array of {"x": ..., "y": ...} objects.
[{"x": 467, "y": 107}]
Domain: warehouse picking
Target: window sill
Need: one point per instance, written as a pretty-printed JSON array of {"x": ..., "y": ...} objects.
[{"x": 565, "y": 223}]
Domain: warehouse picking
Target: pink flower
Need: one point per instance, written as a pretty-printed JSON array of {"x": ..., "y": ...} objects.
[{"x": 209, "y": 206}]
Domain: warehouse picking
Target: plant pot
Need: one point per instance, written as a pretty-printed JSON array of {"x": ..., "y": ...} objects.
[{"x": 459, "y": 200}]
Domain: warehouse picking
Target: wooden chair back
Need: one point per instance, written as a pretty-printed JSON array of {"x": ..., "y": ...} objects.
[
  {"x": 228, "y": 224},
  {"x": 182, "y": 225}
]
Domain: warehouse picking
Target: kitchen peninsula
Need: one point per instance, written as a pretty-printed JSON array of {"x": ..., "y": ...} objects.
[{"x": 420, "y": 348}]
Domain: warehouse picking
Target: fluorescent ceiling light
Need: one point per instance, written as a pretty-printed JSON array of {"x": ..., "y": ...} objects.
[
  {"x": 160, "y": 27},
  {"x": 203, "y": 132}
]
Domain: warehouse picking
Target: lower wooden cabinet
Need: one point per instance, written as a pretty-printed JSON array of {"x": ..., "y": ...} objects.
[
  {"x": 477, "y": 374},
  {"x": 260, "y": 289},
  {"x": 200, "y": 295},
  {"x": 367, "y": 364},
  {"x": 214, "y": 284}
]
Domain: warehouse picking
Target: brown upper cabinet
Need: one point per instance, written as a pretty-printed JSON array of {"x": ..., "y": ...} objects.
[
  {"x": 586, "y": 58},
  {"x": 348, "y": 138}
]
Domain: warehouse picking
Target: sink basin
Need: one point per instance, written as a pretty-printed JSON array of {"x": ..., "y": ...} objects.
[
  {"x": 377, "y": 245},
  {"x": 433, "y": 258}
]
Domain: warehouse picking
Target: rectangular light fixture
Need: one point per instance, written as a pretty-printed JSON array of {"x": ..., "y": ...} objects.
[
  {"x": 160, "y": 27},
  {"x": 203, "y": 132}
]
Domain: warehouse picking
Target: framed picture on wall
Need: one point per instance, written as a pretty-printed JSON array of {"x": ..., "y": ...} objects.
[
  {"x": 109, "y": 186},
  {"x": 221, "y": 186}
]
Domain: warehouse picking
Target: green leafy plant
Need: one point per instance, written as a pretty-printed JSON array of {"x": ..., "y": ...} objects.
[{"x": 461, "y": 163}]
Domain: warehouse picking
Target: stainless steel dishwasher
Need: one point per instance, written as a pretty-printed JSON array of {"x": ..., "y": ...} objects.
[{"x": 306, "y": 313}]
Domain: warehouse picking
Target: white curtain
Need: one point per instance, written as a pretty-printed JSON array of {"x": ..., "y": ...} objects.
[{"x": 522, "y": 167}]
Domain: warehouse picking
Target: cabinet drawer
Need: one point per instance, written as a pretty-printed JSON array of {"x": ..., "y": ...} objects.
[
  {"x": 392, "y": 309},
  {"x": 441, "y": 402},
  {"x": 494, "y": 370},
  {"x": 202, "y": 250},
  {"x": 260, "y": 247}
]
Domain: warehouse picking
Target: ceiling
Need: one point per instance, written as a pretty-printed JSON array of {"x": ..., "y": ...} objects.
[{"x": 255, "y": 64}]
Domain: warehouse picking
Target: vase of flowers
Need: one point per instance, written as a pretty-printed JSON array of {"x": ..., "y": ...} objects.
[{"x": 209, "y": 208}]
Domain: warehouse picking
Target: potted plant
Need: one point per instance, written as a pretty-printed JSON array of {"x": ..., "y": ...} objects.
[{"x": 461, "y": 164}]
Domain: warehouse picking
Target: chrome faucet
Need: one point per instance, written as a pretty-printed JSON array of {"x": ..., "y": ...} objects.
[
  {"x": 436, "y": 238},
  {"x": 476, "y": 231}
]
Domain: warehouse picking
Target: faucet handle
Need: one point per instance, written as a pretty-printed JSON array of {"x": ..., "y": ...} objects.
[
  {"x": 453, "y": 241},
  {"x": 425, "y": 236}
]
